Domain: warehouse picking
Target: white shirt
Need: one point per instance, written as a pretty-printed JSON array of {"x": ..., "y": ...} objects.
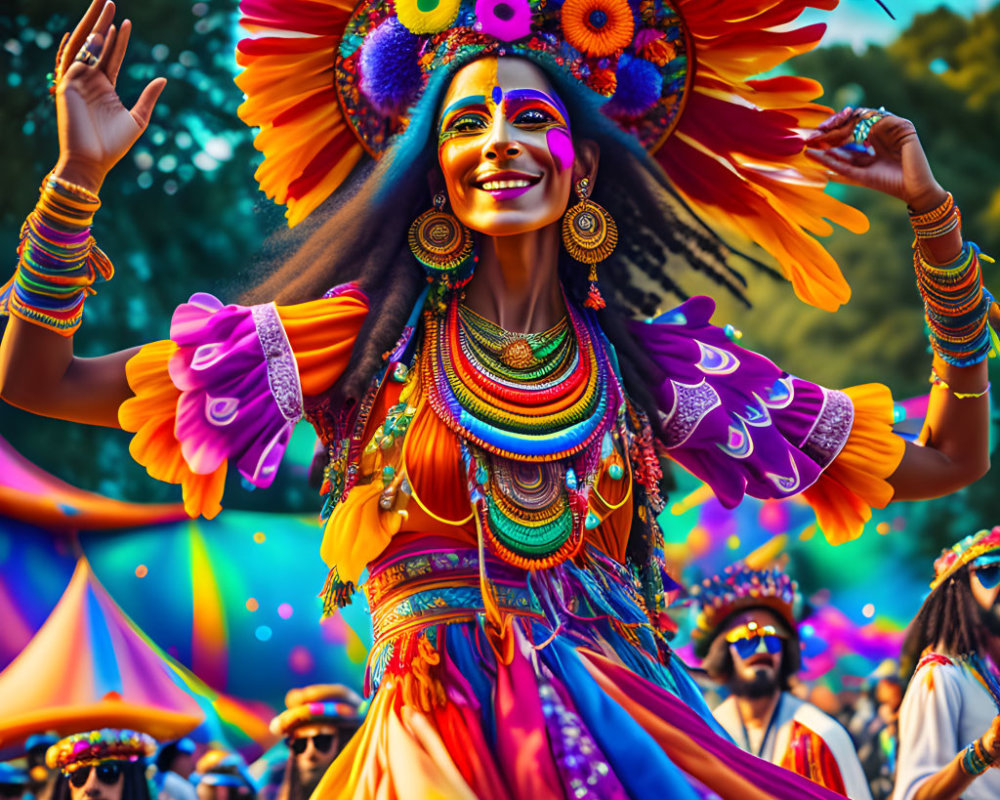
[
  {"x": 773, "y": 745},
  {"x": 177, "y": 788},
  {"x": 944, "y": 710}
]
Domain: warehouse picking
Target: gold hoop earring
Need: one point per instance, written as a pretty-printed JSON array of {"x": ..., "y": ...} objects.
[
  {"x": 442, "y": 245},
  {"x": 590, "y": 235}
]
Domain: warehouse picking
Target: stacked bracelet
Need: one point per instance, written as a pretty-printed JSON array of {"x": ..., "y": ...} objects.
[
  {"x": 58, "y": 261},
  {"x": 956, "y": 304},
  {"x": 937, "y": 222},
  {"x": 975, "y": 759}
]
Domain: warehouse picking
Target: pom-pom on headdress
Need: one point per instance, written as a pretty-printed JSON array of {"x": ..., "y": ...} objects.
[
  {"x": 738, "y": 588},
  {"x": 979, "y": 549},
  {"x": 322, "y": 704},
  {"x": 328, "y": 82},
  {"x": 93, "y": 747}
]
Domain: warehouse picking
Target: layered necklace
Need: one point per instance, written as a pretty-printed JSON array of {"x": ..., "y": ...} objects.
[{"x": 536, "y": 414}]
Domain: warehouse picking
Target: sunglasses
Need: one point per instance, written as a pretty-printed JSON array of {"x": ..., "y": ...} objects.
[
  {"x": 748, "y": 639},
  {"x": 988, "y": 576},
  {"x": 108, "y": 773},
  {"x": 321, "y": 741}
]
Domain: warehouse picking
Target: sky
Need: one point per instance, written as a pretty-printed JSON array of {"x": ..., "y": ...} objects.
[{"x": 861, "y": 22}]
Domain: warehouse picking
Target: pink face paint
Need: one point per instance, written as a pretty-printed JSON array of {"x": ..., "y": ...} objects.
[{"x": 561, "y": 146}]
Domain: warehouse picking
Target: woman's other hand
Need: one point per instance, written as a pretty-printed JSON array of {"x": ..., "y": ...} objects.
[
  {"x": 893, "y": 161},
  {"x": 991, "y": 739},
  {"x": 95, "y": 128}
]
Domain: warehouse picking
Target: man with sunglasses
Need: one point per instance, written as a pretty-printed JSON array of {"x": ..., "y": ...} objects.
[
  {"x": 747, "y": 638},
  {"x": 106, "y": 764},
  {"x": 949, "y": 730},
  {"x": 317, "y": 724}
]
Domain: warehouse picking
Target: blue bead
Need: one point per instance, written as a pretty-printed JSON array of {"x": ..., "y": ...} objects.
[
  {"x": 592, "y": 521},
  {"x": 616, "y": 472},
  {"x": 482, "y": 476},
  {"x": 597, "y": 19},
  {"x": 571, "y": 482}
]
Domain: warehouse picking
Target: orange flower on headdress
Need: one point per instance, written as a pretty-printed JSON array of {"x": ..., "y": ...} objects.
[{"x": 598, "y": 27}]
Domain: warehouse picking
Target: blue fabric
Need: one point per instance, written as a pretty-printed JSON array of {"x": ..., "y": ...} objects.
[{"x": 637, "y": 760}]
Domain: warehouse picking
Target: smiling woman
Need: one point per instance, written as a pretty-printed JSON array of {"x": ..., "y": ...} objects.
[{"x": 503, "y": 190}]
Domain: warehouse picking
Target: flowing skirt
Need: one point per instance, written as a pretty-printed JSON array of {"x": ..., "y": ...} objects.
[{"x": 555, "y": 687}]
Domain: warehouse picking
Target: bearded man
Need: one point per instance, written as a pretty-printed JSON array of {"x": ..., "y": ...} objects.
[
  {"x": 747, "y": 638},
  {"x": 949, "y": 731}
]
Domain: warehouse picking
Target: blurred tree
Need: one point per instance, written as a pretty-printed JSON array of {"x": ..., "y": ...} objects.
[
  {"x": 943, "y": 73},
  {"x": 181, "y": 212}
]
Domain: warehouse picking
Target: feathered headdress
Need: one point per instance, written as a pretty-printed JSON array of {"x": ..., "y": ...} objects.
[{"x": 329, "y": 82}]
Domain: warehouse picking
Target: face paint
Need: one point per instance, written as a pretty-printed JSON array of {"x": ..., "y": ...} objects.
[
  {"x": 561, "y": 146},
  {"x": 504, "y": 147}
]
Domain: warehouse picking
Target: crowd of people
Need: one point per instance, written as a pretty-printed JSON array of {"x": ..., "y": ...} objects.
[{"x": 920, "y": 728}]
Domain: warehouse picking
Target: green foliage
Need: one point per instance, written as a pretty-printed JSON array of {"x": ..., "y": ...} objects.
[{"x": 944, "y": 75}]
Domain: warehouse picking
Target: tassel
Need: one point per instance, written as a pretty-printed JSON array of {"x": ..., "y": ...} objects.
[
  {"x": 594, "y": 299},
  {"x": 336, "y": 593}
]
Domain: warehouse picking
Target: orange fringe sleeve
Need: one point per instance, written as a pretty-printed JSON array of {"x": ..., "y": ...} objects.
[
  {"x": 150, "y": 416},
  {"x": 857, "y": 480},
  {"x": 321, "y": 334}
]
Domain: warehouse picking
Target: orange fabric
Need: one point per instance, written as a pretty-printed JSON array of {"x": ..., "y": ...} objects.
[
  {"x": 856, "y": 481},
  {"x": 150, "y": 416},
  {"x": 403, "y": 753},
  {"x": 322, "y": 334}
]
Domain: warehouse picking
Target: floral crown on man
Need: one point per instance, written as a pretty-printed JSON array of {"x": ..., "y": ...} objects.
[
  {"x": 93, "y": 747},
  {"x": 980, "y": 549},
  {"x": 736, "y": 588},
  {"x": 330, "y": 83}
]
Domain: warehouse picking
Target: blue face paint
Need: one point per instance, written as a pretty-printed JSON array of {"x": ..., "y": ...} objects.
[{"x": 497, "y": 95}]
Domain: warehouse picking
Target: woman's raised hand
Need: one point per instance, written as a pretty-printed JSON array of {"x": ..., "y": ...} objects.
[
  {"x": 95, "y": 128},
  {"x": 893, "y": 161}
]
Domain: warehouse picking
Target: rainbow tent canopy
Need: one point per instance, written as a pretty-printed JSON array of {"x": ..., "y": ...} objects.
[
  {"x": 30, "y": 494},
  {"x": 89, "y": 666}
]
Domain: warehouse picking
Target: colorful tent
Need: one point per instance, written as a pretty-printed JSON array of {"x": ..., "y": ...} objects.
[{"x": 89, "y": 666}]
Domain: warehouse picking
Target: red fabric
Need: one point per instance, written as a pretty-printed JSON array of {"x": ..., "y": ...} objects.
[{"x": 809, "y": 756}]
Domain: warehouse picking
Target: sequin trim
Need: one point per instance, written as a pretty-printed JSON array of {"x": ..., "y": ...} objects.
[
  {"x": 282, "y": 371},
  {"x": 831, "y": 429},
  {"x": 691, "y": 405}
]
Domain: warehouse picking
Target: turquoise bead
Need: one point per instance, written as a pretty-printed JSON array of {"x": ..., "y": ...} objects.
[
  {"x": 592, "y": 521},
  {"x": 616, "y": 472}
]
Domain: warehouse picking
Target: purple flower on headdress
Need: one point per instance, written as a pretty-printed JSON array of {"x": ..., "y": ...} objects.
[
  {"x": 506, "y": 20},
  {"x": 390, "y": 72}
]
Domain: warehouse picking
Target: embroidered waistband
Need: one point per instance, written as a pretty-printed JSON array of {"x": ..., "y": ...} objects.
[{"x": 424, "y": 589}]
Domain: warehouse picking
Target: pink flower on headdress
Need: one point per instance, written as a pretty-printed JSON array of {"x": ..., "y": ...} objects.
[{"x": 506, "y": 20}]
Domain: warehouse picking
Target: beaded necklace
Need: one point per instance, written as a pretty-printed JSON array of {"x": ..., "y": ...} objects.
[{"x": 533, "y": 431}]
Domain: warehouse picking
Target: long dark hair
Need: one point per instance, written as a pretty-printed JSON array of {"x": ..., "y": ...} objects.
[
  {"x": 949, "y": 619},
  {"x": 133, "y": 773},
  {"x": 360, "y": 235}
]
